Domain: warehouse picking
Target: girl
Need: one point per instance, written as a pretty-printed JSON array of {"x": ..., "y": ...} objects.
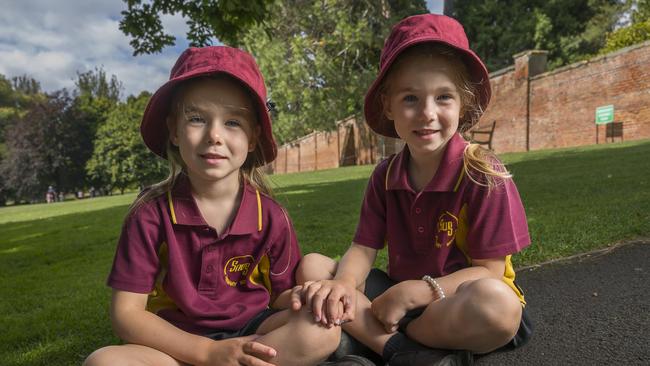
[
  {"x": 448, "y": 211},
  {"x": 206, "y": 258}
]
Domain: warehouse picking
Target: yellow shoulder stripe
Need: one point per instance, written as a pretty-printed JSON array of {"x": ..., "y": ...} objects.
[
  {"x": 392, "y": 159},
  {"x": 171, "y": 206},
  {"x": 259, "y": 210},
  {"x": 460, "y": 179}
]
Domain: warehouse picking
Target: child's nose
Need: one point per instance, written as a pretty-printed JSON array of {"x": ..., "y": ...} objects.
[
  {"x": 430, "y": 109},
  {"x": 215, "y": 134}
]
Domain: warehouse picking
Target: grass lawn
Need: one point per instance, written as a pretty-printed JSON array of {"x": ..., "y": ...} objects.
[{"x": 54, "y": 258}]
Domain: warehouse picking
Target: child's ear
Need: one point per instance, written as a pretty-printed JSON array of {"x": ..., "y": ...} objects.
[
  {"x": 254, "y": 138},
  {"x": 385, "y": 104},
  {"x": 171, "y": 129}
]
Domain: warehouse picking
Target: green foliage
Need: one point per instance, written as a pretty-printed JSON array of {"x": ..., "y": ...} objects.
[
  {"x": 207, "y": 20},
  {"x": 628, "y": 36},
  {"x": 49, "y": 145},
  {"x": 120, "y": 159},
  {"x": 319, "y": 58},
  {"x": 571, "y": 30},
  {"x": 638, "y": 31}
]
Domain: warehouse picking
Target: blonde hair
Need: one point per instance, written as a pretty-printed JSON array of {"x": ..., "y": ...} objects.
[
  {"x": 251, "y": 171},
  {"x": 479, "y": 164}
]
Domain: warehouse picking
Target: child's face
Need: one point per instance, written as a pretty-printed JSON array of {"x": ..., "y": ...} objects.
[
  {"x": 424, "y": 102},
  {"x": 215, "y": 129}
]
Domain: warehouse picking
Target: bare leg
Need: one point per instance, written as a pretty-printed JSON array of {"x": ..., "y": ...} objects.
[
  {"x": 482, "y": 316},
  {"x": 365, "y": 327},
  {"x": 130, "y": 354},
  {"x": 297, "y": 338}
]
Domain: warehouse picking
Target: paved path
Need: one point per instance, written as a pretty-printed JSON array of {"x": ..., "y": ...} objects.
[{"x": 590, "y": 310}]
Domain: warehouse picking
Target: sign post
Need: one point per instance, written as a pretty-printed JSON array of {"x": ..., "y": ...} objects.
[{"x": 604, "y": 115}]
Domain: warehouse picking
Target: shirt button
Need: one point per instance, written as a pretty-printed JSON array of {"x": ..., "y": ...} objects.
[
  {"x": 421, "y": 229},
  {"x": 209, "y": 268},
  {"x": 418, "y": 210}
]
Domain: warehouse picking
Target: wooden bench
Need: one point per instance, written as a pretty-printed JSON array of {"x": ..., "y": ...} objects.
[{"x": 483, "y": 136}]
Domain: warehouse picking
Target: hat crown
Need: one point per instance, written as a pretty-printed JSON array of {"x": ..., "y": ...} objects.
[
  {"x": 432, "y": 27},
  {"x": 203, "y": 60}
]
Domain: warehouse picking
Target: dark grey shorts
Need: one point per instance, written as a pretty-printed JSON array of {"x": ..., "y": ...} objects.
[
  {"x": 248, "y": 329},
  {"x": 378, "y": 282}
]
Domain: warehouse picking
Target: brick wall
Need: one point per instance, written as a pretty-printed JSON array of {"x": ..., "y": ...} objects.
[{"x": 533, "y": 109}]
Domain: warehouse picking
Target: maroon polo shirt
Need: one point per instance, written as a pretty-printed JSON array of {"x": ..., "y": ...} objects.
[
  {"x": 198, "y": 280},
  {"x": 442, "y": 228}
]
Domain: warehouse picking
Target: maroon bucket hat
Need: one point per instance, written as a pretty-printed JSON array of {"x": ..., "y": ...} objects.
[
  {"x": 412, "y": 31},
  {"x": 201, "y": 61}
]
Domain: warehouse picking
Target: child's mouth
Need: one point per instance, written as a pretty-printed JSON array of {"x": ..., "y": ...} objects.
[
  {"x": 212, "y": 158},
  {"x": 425, "y": 132}
]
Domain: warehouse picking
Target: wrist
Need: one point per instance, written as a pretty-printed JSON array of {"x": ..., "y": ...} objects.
[
  {"x": 347, "y": 279},
  {"x": 436, "y": 289},
  {"x": 203, "y": 350}
]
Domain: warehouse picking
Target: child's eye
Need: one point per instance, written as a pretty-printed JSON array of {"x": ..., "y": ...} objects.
[
  {"x": 233, "y": 123},
  {"x": 195, "y": 119},
  {"x": 410, "y": 98},
  {"x": 444, "y": 97}
]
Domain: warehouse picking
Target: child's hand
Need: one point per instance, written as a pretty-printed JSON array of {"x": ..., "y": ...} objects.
[
  {"x": 331, "y": 301},
  {"x": 390, "y": 307},
  {"x": 240, "y": 351}
]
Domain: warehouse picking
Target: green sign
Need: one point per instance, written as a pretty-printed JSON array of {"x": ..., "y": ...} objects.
[{"x": 604, "y": 114}]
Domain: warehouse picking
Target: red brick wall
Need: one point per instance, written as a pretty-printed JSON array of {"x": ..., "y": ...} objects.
[
  {"x": 550, "y": 110},
  {"x": 563, "y": 102}
]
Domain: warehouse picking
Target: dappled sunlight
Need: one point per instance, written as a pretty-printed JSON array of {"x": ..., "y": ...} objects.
[
  {"x": 25, "y": 237},
  {"x": 13, "y": 250}
]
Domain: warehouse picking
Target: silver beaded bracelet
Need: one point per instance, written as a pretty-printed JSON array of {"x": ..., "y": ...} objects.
[{"x": 440, "y": 294}]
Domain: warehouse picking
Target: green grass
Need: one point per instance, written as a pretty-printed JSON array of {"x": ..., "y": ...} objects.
[{"x": 54, "y": 258}]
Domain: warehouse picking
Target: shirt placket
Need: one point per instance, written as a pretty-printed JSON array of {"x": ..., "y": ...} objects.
[
  {"x": 420, "y": 224},
  {"x": 209, "y": 262}
]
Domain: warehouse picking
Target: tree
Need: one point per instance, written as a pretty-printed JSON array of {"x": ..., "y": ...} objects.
[
  {"x": 120, "y": 159},
  {"x": 319, "y": 58},
  {"x": 16, "y": 95},
  {"x": 571, "y": 30},
  {"x": 225, "y": 20},
  {"x": 47, "y": 146},
  {"x": 636, "y": 32}
]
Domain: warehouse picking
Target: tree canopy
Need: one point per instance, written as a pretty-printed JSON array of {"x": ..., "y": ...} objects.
[
  {"x": 120, "y": 159},
  {"x": 225, "y": 20},
  {"x": 636, "y": 32},
  {"x": 571, "y": 30}
]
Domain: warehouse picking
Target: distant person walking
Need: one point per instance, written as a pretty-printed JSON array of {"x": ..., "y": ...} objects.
[{"x": 50, "y": 195}]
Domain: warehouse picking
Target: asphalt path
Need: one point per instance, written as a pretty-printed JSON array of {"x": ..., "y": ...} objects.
[{"x": 593, "y": 309}]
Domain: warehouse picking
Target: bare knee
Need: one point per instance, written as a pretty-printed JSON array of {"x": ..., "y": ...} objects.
[
  {"x": 103, "y": 356},
  {"x": 495, "y": 309},
  {"x": 314, "y": 338},
  {"x": 314, "y": 267}
]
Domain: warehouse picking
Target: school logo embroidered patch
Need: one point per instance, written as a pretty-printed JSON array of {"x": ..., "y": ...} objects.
[
  {"x": 446, "y": 229},
  {"x": 236, "y": 270}
]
